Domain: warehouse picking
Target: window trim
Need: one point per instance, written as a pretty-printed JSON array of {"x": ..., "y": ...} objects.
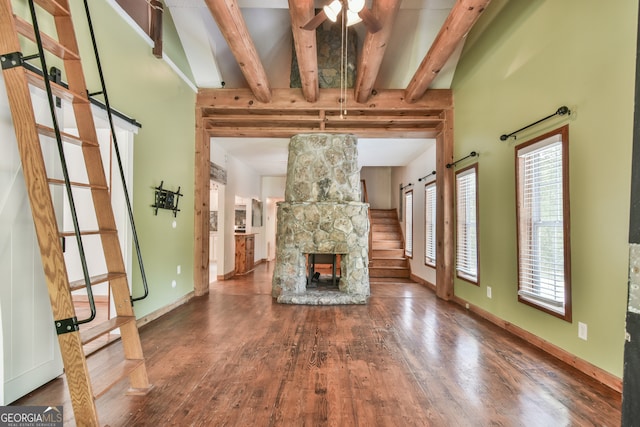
[
  {"x": 427, "y": 221},
  {"x": 531, "y": 300},
  {"x": 408, "y": 254},
  {"x": 463, "y": 172}
]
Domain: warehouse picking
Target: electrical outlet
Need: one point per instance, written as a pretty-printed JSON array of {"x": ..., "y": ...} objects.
[
  {"x": 488, "y": 291},
  {"x": 582, "y": 331},
  {"x": 178, "y": 269},
  {"x": 173, "y": 283}
]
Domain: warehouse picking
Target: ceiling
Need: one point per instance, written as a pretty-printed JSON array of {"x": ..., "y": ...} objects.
[{"x": 218, "y": 35}]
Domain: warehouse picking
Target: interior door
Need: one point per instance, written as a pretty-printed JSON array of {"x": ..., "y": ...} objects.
[{"x": 29, "y": 346}]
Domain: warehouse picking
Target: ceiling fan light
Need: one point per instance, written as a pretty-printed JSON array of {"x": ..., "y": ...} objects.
[
  {"x": 332, "y": 10},
  {"x": 356, "y": 5},
  {"x": 352, "y": 18}
]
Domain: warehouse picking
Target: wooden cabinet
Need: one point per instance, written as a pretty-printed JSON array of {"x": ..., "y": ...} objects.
[{"x": 245, "y": 253}]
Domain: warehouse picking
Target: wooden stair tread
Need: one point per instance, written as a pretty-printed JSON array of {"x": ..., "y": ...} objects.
[
  {"x": 87, "y": 232},
  {"x": 110, "y": 376},
  {"x": 103, "y": 328},
  {"x": 58, "y": 90},
  {"x": 48, "y": 43},
  {"x": 100, "y": 278},
  {"x": 53, "y": 7},
  {"x": 56, "y": 181},
  {"x": 72, "y": 139}
]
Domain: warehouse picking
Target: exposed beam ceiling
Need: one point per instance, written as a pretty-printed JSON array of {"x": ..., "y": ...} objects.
[
  {"x": 374, "y": 47},
  {"x": 229, "y": 19},
  {"x": 231, "y": 23},
  {"x": 305, "y": 44},
  {"x": 459, "y": 22}
]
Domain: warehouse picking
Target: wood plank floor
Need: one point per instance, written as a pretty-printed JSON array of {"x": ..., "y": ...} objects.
[{"x": 237, "y": 358}]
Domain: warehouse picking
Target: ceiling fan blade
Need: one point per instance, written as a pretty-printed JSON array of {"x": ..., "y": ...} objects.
[
  {"x": 369, "y": 20},
  {"x": 315, "y": 21}
]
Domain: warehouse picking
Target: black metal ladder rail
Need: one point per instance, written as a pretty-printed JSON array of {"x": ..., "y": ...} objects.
[
  {"x": 65, "y": 170},
  {"x": 118, "y": 157}
]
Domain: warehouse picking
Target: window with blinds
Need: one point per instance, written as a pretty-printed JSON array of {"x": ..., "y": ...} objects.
[
  {"x": 543, "y": 223},
  {"x": 408, "y": 223},
  {"x": 430, "y": 224},
  {"x": 467, "y": 224}
]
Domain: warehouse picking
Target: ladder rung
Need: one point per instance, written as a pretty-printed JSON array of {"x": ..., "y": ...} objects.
[
  {"x": 59, "y": 91},
  {"x": 111, "y": 375},
  {"x": 87, "y": 233},
  {"x": 56, "y": 181},
  {"x": 95, "y": 280},
  {"x": 48, "y": 43},
  {"x": 53, "y": 7},
  {"x": 71, "y": 139},
  {"x": 104, "y": 328}
]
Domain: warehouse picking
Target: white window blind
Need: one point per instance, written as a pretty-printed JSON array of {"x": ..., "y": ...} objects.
[
  {"x": 466, "y": 228},
  {"x": 541, "y": 217},
  {"x": 430, "y": 224},
  {"x": 408, "y": 223}
]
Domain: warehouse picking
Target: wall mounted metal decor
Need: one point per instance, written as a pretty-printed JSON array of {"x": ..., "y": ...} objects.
[{"x": 166, "y": 199}]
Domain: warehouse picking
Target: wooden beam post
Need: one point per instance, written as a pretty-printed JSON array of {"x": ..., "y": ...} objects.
[
  {"x": 444, "y": 210},
  {"x": 201, "y": 208}
]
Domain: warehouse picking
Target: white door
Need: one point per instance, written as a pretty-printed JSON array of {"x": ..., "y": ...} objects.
[{"x": 29, "y": 346}]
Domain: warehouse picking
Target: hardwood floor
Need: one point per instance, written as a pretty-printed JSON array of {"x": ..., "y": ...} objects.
[{"x": 237, "y": 358}]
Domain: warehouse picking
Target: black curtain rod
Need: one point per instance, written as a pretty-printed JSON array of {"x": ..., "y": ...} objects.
[
  {"x": 471, "y": 154},
  {"x": 560, "y": 112},
  {"x": 406, "y": 186},
  {"x": 427, "y": 176}
]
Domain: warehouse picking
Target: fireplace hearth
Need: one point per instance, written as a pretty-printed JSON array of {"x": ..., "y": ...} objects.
[{"x": 322, "y": 214}]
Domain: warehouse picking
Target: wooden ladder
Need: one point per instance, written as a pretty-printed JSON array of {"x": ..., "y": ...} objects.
[{"x": 73, "y": 334}]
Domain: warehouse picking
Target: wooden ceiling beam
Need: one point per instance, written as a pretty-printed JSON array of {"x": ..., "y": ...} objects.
[
  {"x": 276, "y": 132},
  {"x": 301, "y": 12},
  {"x": 373, "y": 48},
  {"x": 234, "y": 29},
  {"x": 328, "y": 99},
  {"x": 460, "y": 20},
  {"x": 233, "y": 112}
]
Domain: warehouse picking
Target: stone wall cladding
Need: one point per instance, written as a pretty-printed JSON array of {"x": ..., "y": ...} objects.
[
  {"x": 322, "y": 213},
  {"x": 321, "y": 168}
]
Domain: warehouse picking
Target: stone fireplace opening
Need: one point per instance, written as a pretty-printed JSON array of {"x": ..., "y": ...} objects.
[{"x": 322, "y": 215}]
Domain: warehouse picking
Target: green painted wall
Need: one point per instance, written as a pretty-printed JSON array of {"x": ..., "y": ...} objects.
[
  {"x": 536, "y": 56},
  {"x": 146, "y": 88}
]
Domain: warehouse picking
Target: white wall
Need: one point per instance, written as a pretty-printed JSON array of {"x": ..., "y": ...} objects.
[
  {"x": 411, "y": 173},
  {"x": 243, "y": 182},
  {"x": 378, "y": 182},
  {"x": 272, "y": 192}
]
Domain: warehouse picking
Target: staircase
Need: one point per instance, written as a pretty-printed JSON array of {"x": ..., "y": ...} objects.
[
  {"x": 73, "y": 333},
  {"x": 387, "y": 255}
]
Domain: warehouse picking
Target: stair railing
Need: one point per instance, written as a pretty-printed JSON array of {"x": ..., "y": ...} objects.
[
  {"x": 119, "y": 159},
  {"x": 365, "y": 199},
  {"x": 65, "y": 170}
]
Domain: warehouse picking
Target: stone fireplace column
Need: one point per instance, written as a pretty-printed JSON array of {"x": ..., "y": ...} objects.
[{"x": 322, "y": 214}]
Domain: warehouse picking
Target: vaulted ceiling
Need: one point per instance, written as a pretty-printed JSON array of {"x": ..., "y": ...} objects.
[{"x": 246, "y": 46}]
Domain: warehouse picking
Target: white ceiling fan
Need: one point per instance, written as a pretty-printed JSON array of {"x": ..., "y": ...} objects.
[{"x": 356, "y": 12}]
